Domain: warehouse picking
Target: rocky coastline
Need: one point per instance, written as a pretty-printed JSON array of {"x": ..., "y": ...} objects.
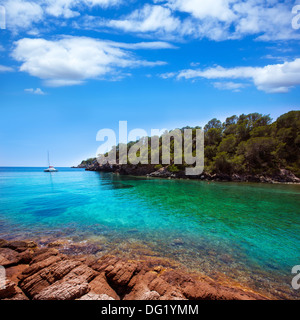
[
  {"x": 151, "y": 171},
  {"x": 46, "y": 273}
]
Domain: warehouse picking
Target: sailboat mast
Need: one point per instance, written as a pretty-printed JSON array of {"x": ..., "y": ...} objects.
[{"x": 48, "y": 159}]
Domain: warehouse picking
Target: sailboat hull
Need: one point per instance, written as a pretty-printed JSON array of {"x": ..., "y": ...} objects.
[{"x": 51, "y": 170}]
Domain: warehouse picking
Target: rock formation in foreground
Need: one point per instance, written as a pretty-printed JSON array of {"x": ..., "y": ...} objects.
[{"x": 45, "y": 274}]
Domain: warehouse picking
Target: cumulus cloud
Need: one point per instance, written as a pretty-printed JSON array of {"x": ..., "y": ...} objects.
[
  {"x": 72, "y": 60},
  {"x": 148, "y": 19},
  {"x": 217, "y": 20},
  {"x": 59, "y": 8},
  {"x": 36, "y": 91},
  {"x": 23, "y": 14},
  {"x": 277, "y": 78}
]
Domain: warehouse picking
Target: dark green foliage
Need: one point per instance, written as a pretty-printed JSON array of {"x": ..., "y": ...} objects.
[
  {"x": 88, "y": 162},
  {"x": 252, "y": 144},
  {"x": 248, "y": 144},
  {"x": 287, "y": 131},
  {"x": 173, "y": 168}
]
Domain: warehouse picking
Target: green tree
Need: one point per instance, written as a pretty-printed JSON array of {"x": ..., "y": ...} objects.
[{"x": 228, "y": 144}]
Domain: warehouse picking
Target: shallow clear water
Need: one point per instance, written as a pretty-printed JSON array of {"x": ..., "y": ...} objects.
[{"x": 248, "y": 232}]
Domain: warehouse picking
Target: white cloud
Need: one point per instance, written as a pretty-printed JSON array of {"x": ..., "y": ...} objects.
[
  {"x": 72, "y": 60},
  {"x": 277, "y": 78},
  {"x": 217, "y": 20},
  {"x": 168, "y": 75},
  {"x": 268, "y": 19},
  {"x": 232, "y": 86},
  {"x": 21, "y": 14},
  {"x": 63, "y": 8},
  {"x": 36, "y": 91},
  {"x": 148, "y": 19},
  {"x": 5, "y": 69}
]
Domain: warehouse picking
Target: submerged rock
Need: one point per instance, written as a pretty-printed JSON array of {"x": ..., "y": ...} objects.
[{"x": 18, "y": 246}]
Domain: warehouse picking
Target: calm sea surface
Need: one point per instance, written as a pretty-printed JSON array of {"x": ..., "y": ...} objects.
[{"x": 248, "y": 232}]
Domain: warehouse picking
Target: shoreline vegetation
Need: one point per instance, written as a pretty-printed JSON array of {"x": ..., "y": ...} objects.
[
  {"x": 248, "y": 148},
  {"x": 46, "y": 273}
]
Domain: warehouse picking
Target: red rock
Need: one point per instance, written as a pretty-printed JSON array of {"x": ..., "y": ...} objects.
[
  {"x": 104, "y": 263},
  {"x": 200, "y": 291},
  {"x": 64, "y": 290},
  {"x": 15, "y": 273},
  {"x": 43, "y": 254},
  {"x": 150, "y": 295},
  {"x": 35, "y": 283},
  {"x": 151, "y": 286},
  {"x": 122, "y": 272},
  {"x": 83, "y": 273},
  {"x": 20, "y": 246},
  {"x": 8, "y": 290},
  {"x": 3, "y": 243},
  {"x": 26, "y": 256},
  {"x": 54, "y": 276},
  {"x": 166, "y": 291},
  {"x": 36, "y": 267},
  {"x": 94, "y": 296},
  {"x": 72, "y": 286},
  {"x": 17, "y": 296},
  {"x": 9, "y": 257},
  {"x": 11, "y": 292},
  {"x": 100, "y": 286}
]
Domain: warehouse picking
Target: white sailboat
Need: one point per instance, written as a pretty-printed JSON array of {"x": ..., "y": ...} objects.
[{"x": 50, "y": 168}]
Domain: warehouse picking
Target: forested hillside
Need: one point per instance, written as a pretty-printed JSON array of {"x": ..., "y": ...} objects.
[{"x": 246, "y": 145}]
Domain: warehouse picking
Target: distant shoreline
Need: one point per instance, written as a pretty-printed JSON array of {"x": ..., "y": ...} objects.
[{"x": 285, "y": 176}]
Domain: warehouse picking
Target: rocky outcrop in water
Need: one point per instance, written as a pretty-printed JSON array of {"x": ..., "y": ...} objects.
[
  {"x": 283, "y": 175},
  {"x": 46, "y": 274}
]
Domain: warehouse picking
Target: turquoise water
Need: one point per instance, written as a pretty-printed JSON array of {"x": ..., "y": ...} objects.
[{"x": 248, "y": 232}]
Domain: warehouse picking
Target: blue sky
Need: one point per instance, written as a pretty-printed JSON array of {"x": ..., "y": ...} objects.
[{"x": 69, "y": 68}]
